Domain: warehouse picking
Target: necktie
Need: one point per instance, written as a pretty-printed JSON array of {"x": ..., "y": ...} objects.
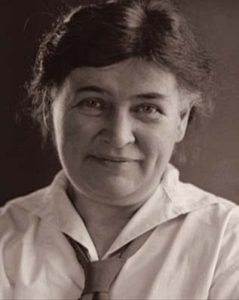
[{"x": 99, "y": 275}]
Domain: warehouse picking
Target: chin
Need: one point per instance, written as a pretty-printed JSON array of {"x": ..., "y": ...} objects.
[
  {"x": 114, "y": 193},
  {"x": 120, "y": 194}
]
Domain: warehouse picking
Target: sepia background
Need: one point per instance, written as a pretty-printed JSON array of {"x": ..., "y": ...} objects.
[{"x": 213, "y": 164}]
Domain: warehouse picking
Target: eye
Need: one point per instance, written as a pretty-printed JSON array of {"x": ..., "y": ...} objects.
[
  {"x": 149, "y": 110},
  {"x": 91, "y": 105}
]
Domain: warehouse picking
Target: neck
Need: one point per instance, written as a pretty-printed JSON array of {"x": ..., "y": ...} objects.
[{"x": 103, "y": 221}]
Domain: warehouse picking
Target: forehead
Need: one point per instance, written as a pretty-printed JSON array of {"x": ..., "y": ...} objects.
[{"x": 132, "y": 76}]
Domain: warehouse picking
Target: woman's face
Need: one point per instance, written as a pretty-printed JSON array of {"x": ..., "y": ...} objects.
[{"x": 115, "y": 129}]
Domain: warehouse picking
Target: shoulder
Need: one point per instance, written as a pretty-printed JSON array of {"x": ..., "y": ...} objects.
[
  {"x": 18, "y": 223},
  {"x": 188, "y": 197},
  {"x": 209, "y": 206},
  {"x": 214, "y": 217},
  {"x": 17, "y": 214},
  {"x": 196, "y": 194},
  {"x": 217, "y": 225},
  {"x": 203, "y": 207},
  {"x": 217, "y": 219},
  {"x": 20, "y": 212}
]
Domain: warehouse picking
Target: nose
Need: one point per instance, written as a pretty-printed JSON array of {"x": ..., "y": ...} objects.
[{"x": 118, "y": 130}]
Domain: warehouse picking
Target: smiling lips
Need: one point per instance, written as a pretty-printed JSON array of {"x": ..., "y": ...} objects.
[{"x": 113, "y": 159}]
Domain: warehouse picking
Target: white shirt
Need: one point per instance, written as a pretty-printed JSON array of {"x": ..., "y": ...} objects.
[{"x": 193, "y": 253}]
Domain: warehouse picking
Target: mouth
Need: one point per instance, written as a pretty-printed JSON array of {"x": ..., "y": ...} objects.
[{"x": 113, "y": 159}]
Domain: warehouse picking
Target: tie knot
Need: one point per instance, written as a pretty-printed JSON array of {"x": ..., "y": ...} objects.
[{"x": 100, "y": 274}]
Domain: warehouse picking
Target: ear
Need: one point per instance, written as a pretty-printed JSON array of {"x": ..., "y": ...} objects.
[{"x": 183, "y": 121}]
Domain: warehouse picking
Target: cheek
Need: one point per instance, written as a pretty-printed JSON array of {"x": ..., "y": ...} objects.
[
  {"x": 78, "y": 134},
  {"x": 65, "y": 132},
  {"x": 158, "y": 143}
]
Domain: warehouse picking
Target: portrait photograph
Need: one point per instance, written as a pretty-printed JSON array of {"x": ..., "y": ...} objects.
[{"x": 119, "y": 149}]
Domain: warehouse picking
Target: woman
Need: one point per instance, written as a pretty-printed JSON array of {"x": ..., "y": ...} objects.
[{"x": 115, "y": 86}]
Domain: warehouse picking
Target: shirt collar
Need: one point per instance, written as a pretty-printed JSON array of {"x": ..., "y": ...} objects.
[
  {"x": 63, "y": 214},
  {"x": 171, "y": 199}
]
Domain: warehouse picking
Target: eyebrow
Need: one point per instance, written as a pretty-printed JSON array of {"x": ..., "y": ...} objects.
[
  {"x": 91, "y": 88},
  {"x": 151, "y": 96},
  {"x": 143, "y": 96}
]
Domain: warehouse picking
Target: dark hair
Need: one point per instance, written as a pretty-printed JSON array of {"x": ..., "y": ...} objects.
[{"x": 112, "y": 31}]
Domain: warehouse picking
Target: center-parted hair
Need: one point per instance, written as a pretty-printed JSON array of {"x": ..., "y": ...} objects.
[{"x": 97, "y": 35}]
